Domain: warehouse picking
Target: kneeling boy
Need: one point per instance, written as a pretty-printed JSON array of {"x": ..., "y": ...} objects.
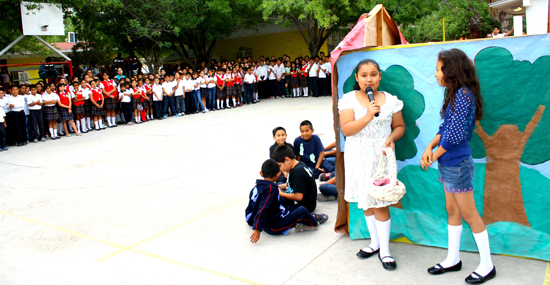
[{"x": 264, "y": 211}]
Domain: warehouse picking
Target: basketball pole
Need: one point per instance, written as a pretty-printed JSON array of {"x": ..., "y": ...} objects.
[
  {"x": 51, "y": 47},
  {"x": 11, "y": 45}
]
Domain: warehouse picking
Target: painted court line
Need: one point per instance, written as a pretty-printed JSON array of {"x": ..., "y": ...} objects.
[
  {"x": 145, "y": 253},
  {"x": 130, "y": 247},
  {"x": 62, "y": 229}
]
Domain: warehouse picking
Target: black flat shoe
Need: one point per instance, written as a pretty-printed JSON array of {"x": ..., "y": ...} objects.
[
  {"x": 481, "y": 279},
  {"x": 438, "y": 269},
  {"x": 364, "y": 254},
  {"x": 389, "y": 265}
]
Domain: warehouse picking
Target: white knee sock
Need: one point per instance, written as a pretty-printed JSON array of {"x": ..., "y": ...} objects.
[
  {"x": 96, "y": 123},
  {"x": 83, "y": 123},
  {"x": 306, "y": 91},
  {"x": 55, "y": 132},
  {"x": 226, "y": 103},
  {"x": 383, "y": 229},
  {"x": 485, "y": 262},
  {"x": 374, "y": 243},
  {"x": 256, "y": 96},
  {"x": 78, "y": 125},
  {"x": 52, "y": 133},
  {"x": 109, "y": 121},
  {"x": 453, "y": 253},
  {"x": 218, "y": 103},
  {"x": 234, "y": 102},
  {"x": 70, "y": 127},
  {"x": 89, "y": 121},
  {"x": 101, "y": 123}
]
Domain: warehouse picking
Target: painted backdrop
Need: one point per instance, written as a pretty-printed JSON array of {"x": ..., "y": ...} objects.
[{"x": 511, "y": 145}]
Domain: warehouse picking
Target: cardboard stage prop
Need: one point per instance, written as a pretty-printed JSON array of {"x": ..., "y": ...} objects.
[{"x": 510, "y": 145}]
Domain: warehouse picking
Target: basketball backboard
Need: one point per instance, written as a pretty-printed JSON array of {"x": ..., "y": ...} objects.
[{"x": 42, "y": 19}]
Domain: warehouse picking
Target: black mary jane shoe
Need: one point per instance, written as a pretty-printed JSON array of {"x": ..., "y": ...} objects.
[
  {"x": 481, "y": 279},
  {"x": 439, "y": 269},
  {"x": 364, "y": 254},
  {"x": 389, "y": 265}
]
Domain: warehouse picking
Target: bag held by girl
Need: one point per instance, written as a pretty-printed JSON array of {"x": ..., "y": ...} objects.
[{"x": 384, "y": 184}]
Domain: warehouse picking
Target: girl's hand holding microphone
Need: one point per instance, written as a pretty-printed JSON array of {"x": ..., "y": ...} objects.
[{"x": 373, "y": 108}]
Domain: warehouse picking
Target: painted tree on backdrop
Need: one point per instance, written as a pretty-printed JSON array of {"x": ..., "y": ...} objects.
[
  {"x": 515, "y": 95},
  {"x": 397, "y": 81},
  {"x": 316, "y": 19}
]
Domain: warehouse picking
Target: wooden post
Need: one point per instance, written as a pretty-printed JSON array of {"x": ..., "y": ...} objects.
[{"x": 443, "y": 22}]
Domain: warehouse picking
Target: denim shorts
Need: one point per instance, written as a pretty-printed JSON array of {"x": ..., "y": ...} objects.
[{"x": 458, "y": 179}]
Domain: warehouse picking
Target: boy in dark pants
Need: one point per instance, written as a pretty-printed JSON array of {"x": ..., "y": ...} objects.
[
  {"x": 3, "y": 145},
  {"x": 264, "y": 211}
]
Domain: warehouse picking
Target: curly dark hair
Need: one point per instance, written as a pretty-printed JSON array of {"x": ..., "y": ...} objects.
[{"x": 459, "y": 71}]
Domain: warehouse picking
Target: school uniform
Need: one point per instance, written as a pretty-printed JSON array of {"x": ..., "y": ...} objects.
[
  {"x": 328, "y": 80},
  {"x": 294, "y": 78},
  {"x": 230, "y": 85},
  {"x": 313, "y": 79},
  {"x": 3, "y": 145},
  {"x": 10, "y": 130},
  {"x": 126, "y": 104},
  {"x": 211, "y": 93},
  {"x": 197, "y": 95},
  {"x": 144, "y": 101},
  {"x": 168, "y": 86},
  {"x": 263, "y": 83},
  {"x": 107, "y": 86},
  {"x": 178, "y": 96},
  {"x": 19, "y": 119},
  {"x": 304, "y": 77},
  {"x": 157, "y": 100},
  {"x": 238, "y": 84},
  {"x": 79, "y": 106},
  {"x": 272, "y": 81},
  {"x": 249, "y": 80},
  {"x": 27, "y": 117},
  {"x": 87, "y": 104},
  {"x": 265, "y": 212},
  {"x": 96, "y": 95},
  {"x": 36, "y": 119},
  {"x": 220, "y": 92},
  {"x": 136, "y": 99},
  {"x": 50, "y": 110},
  {"x": 279, "y": 84},
  {"x": 65, "y": 99},
  {"x": 321, "y": 80}
]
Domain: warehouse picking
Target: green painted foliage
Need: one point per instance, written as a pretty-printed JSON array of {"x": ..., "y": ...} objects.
[
  {"x": 397, "y": 81},
  {"x": 512, "y": 91}
]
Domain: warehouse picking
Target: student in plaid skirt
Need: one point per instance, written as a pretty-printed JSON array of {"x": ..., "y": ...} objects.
[
  {"x": 49, "y": 99},
  {"x": 220, "y": 85},
  {"x": 109, "y": 92},
  {"x": 230, "y": 88},
  {"x": 79, "y": 99},
  {"x": 65, "y": 109},
  {"x": 97, "y": 101}
]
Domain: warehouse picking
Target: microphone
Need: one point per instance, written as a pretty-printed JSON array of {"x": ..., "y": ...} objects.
[{"x": 371, "y": 98}]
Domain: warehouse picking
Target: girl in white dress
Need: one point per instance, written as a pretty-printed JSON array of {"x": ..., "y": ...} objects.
[{"x": 366, "y": 136}]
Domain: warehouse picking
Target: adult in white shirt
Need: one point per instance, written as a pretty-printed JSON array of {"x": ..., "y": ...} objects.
[
  {"x": 158, "y": 96},
  {"x": 496, "y": 33},
  {"x": 179, "y": 94},
  {"x": 312, "y": 74},
  {"x": 168, "y": 89}
]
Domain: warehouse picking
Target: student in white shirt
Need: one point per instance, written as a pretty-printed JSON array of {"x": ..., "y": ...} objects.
[
  {"x": 34, "y": 102},
  {"x": 211, "y": 81},
  {"x": 279, "y": 79},
  {"x": 249, "y": 80},
  {"x": 263, "y": 84},
  {"x": 157, "y": 98},
  {"x": 179, "y": 94},
  {"x": 168, "y": 89},
  {"x": 17, "y": 106},
  {"x": 3, "y": 146},
  {"x": 203, "y": 89},
  {"x": 272, "y": 79},
  {"x": 321, "y": 78},
  {"x": 312, "y": 74},
  {"x": 197, "y": 94},
  {"x": 49, "y": 101},
  {"x": 328, "y": 82},
  {"x": 126, "y": 102}
]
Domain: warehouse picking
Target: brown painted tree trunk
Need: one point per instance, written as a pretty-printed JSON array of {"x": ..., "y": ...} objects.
[{"x": 503, "y": 199}]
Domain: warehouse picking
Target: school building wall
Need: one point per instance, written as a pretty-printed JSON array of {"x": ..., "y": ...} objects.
[
  {"x": 290, "y": 43},
  {"x": 31, "y": 69}
]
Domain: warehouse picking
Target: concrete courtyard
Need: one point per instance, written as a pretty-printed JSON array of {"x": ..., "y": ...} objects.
[{"x": 163, "y": 203}]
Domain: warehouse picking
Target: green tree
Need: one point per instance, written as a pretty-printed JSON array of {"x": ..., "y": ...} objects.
[
  {"x": 316, "y": 19},
  {"x": 512, "y": 130},
  {"x": 397, "y": 81}
]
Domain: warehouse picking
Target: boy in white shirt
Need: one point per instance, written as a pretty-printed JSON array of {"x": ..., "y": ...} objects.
[
  {"x": 249, "y": 80},
  {"x": 279, "y": 77},
  {"x": 17, "y": 106},
  {"x": 321, "y": 77},
  {"x": 3, "y": 145},
  {"x": 312, "y": 74},
  {"x": 36, "y": 118},
  {"x": 179, "y": 94},
  {"x": 168, "y": 89},
  {"x": 157, "y": 99},
  {"x": 328, "y": 82},
  {"x": 272, "y": 79}
]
